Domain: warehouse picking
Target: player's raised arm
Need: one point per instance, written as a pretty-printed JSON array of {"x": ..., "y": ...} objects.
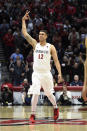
[
  {"x": 30, "y": 40},
  {"x": 57, "y": 63}
]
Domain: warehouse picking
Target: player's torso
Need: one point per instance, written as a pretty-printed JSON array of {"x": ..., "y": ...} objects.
[{"x": 42, "y": 57}]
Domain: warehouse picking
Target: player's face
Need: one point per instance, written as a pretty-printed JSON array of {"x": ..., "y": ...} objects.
[{"x": 42, "y": 36}]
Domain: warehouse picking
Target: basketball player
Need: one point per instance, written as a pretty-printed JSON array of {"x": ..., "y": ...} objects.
[
  {"x": 84, "y": 91},
  {"x": 42, "y": 76}
]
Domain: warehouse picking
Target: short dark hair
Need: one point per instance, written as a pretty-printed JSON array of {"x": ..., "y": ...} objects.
[{"x": 45, "y": 31}]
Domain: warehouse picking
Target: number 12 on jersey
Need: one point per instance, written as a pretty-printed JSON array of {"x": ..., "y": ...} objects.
[{"x": 40, "y": 56}]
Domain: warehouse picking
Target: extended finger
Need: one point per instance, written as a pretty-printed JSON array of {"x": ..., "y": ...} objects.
[{"x": 27, "y": 11}]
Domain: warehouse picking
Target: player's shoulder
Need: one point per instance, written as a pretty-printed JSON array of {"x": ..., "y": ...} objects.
[
  {"x": 49, "y": 44},
  {"x": 38, "y": 43},
  {"x": 52, "y": 46}
]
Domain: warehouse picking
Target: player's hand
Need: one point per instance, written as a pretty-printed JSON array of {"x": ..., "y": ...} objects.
[
  {"x": 84, "y": 92},
  {"x": 60, "y": 79},
  {"x": 26, "y": 16}
]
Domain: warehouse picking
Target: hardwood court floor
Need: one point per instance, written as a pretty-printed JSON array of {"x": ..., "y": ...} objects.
[{"x": 16, "y": 118}]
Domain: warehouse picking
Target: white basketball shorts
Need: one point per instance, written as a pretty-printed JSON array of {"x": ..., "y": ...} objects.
[{"x": 44, "y": 80}]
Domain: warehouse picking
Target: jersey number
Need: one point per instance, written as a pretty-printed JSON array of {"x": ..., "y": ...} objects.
[{"x": 40, "y": 56}]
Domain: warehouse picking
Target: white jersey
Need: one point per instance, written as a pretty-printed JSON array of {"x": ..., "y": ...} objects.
[{"x": 42, "y": 58}]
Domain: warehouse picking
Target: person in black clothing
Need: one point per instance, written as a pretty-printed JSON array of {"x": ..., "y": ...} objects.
[
  {"x": 28, "y": 72},
  {"x": 76, "y": 81},
  {"x": 26, "y": 98},
  {"x": 7, "y": 96},
  {"x": 18, "y": 71},
  {"x": 65, "y": 97}
]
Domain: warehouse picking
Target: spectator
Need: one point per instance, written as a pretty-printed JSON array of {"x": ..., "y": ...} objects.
[
  {"x": 30, "y": 26},
  {"x": 25, "y": 97},
  {"x": 65, "y": 97},
  {"x": 14, "y": 55},
  {"x": 18, "y": 40},
  {"x": 11, "y": 71},
  {"x": 73, "y": 37},
  {"x": 29, "y": 58},
  {"x": 3, "y": 14},
  {"x": 3, "y": 28},
  {"x": 76, "y": 81},
  {"x": 82, "y": 34},
  {"x": 28, "y": 72},
  {"x": 66, "y": 68},
  {"x": 69, "y": 51},
  {"x": 8, "y": 40},
  {"x": 18, "y": 71},
  {"x": 71, "y": 10},
  {"x": 76, "y": 69},
  {"x": 7, "y": 96},
  {"x": 37, "y": 20},
  {"x": 67, "y": 26}
]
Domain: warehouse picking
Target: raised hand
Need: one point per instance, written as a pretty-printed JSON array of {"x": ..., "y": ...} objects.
[{"x": 26, "y": 16}]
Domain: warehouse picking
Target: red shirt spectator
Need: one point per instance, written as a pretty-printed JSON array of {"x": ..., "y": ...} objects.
[
  {"x": 58, "y": 2},
  {"x": 71, "y": 10},
  {"x": 9, "y": 39},
  {"x": 29, "y": 58},
  {"x": 51, "y": 10},
  {"x": 58, "y": 25}
]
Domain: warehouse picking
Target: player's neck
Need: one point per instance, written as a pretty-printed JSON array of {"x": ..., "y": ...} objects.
[{"x": 42, "y": 43}]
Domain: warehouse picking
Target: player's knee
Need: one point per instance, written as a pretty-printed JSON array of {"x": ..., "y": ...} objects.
[{"x": 49, "y": 94}]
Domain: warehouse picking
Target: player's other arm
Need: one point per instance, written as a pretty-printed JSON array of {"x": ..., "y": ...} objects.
[
  {"x": 56, "y": 61},
  {"x": 86, "y": 42},
  {"x": 30, "y": 40}
]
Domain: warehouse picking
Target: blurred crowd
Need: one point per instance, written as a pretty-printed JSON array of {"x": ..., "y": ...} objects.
[{"x": 66, "y": 23}]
